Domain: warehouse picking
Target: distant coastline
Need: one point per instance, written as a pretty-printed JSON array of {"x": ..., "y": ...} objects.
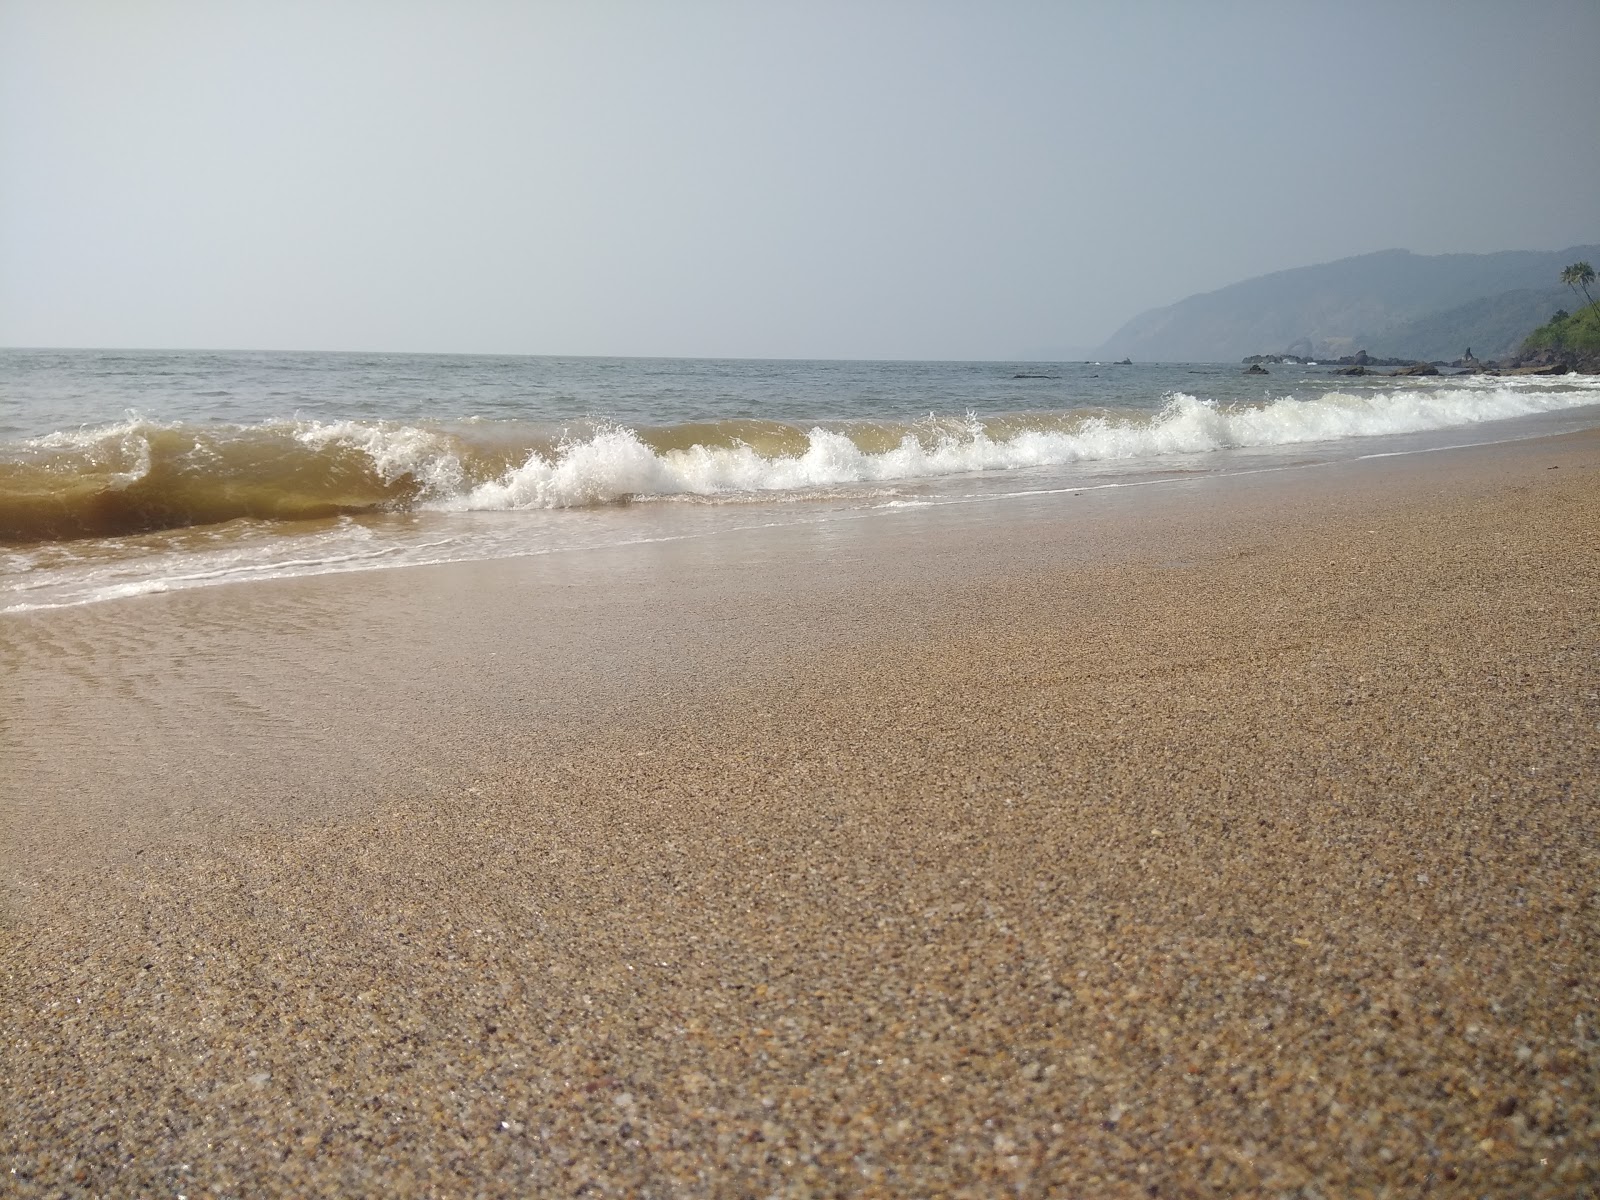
[{"x": 1392, "y": 305}]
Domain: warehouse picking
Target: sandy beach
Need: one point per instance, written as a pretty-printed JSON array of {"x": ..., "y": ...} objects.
[{"x": 1223, "y": 836}]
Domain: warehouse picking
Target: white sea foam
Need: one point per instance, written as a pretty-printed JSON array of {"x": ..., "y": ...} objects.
[
  {"x": 429, "y": 458},
  {"x": 84, "y": 436},
  {"x": 124, "y": 444},
  {"x": 828, "y": 472},
  {"x": 143, "y": 587},
  {"x": 614, "y": 464}
]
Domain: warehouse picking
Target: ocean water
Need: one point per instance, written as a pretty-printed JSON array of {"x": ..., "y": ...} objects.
[{"x": 129, "y": 472}]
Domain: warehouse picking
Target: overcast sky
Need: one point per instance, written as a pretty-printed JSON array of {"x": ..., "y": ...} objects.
[{"x": 752, "y": 179}]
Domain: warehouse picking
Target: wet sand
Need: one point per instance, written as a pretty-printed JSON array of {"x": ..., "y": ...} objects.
[{"x": 1234, "y": 837}]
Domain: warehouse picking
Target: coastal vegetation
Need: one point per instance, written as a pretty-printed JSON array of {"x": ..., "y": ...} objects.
[
  {"x": 1576, "y": 333},
  {"x": 1579, "y": 275},
  {"x": 1571, "y": 337}
]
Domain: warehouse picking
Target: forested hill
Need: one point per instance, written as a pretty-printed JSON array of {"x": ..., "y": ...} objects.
[{"x": 1357, "y": 303}]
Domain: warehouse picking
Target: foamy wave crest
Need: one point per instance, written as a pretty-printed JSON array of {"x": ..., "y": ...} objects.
[
  {"x": 617, "y": 463},
  {"x": 431, "y": 461},
  {"x": 120, "y": 450},
  {"x": 140, "y": 476}
]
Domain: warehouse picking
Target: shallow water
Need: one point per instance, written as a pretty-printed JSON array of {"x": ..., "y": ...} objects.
[{"x": 123, "y": 473}]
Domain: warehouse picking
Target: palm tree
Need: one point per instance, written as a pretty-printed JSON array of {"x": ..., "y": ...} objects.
[{"x": 1579, "y": 275}]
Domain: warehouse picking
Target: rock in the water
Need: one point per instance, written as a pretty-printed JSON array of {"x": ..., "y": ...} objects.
[
  {"x": 1417, "y": 369},
  {"x": 1256, "y": 369},
  {"x": 1362, "y": 359}
]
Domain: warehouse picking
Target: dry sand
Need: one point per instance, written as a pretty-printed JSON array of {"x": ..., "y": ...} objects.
[{"x": 1238, "y": 840}]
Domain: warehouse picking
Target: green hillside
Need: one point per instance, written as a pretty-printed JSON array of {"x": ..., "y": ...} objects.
[
  {"x": 1578, "y": 333},
  {"x": 1494, "y": 327}
]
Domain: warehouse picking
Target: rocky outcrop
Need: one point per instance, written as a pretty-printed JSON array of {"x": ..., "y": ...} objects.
[
  {"x": 1256, "y": 369},
  {"x": 1415, "y": 369},
  {"x": 1552, "y": 361},
  {"x": 1555, "y": 368},
  {"x": 1362, "y": 359}
]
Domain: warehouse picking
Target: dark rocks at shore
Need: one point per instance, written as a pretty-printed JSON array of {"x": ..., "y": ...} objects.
[
  {"x": 1545, "y": 361},
  {"x": 1552, "y": 368},
  {"x": 1550, "y": 360},
  {"x": 1362, "y": 359},
  {"x": 1359, "y": 359},
  {"x": 1561, "y": 365}
]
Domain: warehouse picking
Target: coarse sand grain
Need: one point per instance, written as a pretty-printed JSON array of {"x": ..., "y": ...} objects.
[{"x": 1261, "y": 864}]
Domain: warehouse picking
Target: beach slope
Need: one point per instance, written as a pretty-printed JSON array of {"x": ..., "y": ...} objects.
[{"x": 1234, "y": 837}]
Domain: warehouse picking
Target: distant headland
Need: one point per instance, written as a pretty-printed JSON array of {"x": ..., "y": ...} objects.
[{"x": 1391, "y": 309}]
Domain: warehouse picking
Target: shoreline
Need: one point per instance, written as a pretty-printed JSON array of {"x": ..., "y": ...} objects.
[
  {"x": 1241, "y": 834},
  {"x": 295, "y": 513}
]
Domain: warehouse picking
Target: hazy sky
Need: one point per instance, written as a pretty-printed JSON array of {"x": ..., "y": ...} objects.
[{"x": 808, "y": 179}]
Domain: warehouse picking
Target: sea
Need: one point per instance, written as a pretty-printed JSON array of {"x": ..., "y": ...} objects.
[{"x": 130, "y": 472}]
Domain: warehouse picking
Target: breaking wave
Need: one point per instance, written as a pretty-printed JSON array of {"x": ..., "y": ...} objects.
[{"x": 138, "y": 476}]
